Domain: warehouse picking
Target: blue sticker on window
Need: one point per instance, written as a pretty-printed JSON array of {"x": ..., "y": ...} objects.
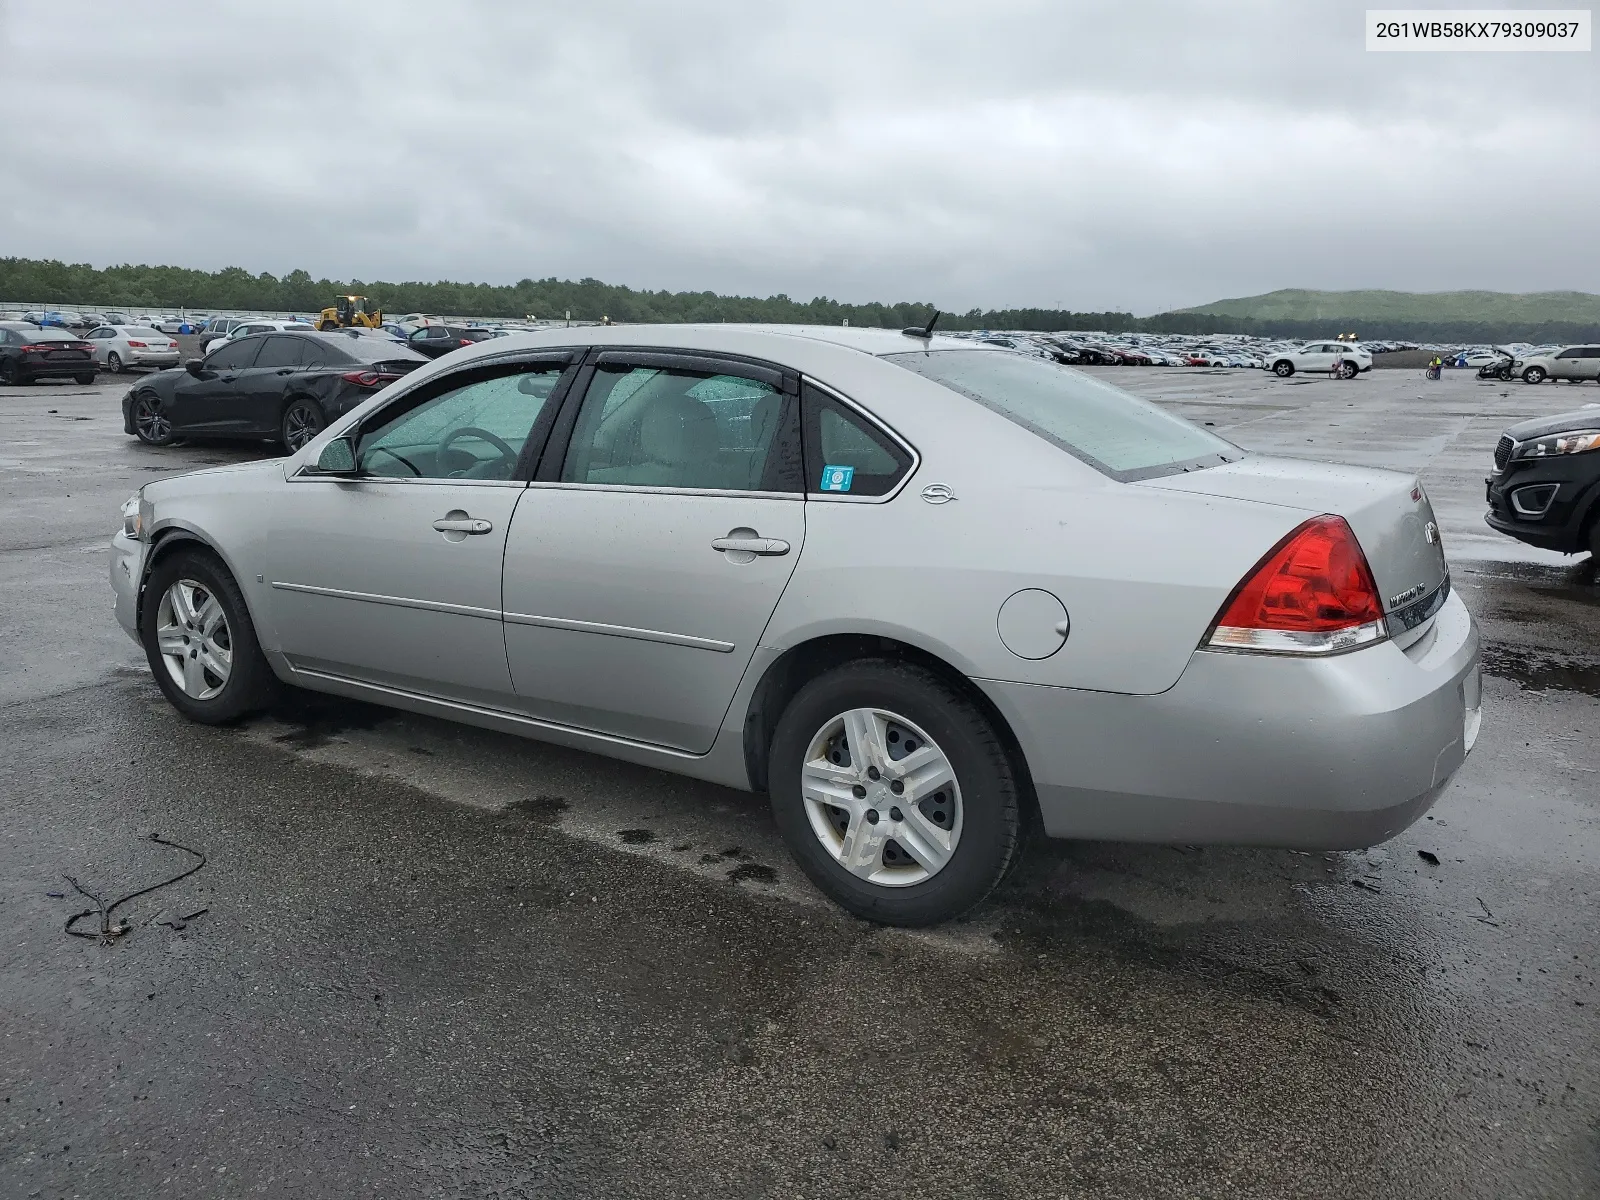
[{"x": 837, "y": 479}]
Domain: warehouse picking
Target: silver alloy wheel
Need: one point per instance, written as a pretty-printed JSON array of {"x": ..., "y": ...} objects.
[
  {"x": 300, "y": 425},
  {"x": 114, "y": 363},
  {"x": 149, "y": 420},
  {"x": 193, "y": 638},
  {"x": 881, "y": 797}
]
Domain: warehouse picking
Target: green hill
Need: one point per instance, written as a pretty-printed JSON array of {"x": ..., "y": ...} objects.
[{"x": 1373, "y": 309}]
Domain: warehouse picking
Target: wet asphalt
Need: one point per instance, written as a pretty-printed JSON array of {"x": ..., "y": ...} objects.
[{"x": 436, "y": 961}]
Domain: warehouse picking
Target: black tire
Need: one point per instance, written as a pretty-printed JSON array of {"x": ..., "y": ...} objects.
[
  {"x": 150, "y": 423},
  {"x": 85, "y": 379},
  {"x": 251, "y": 685},
  {"x": 1283, "y": 368},
  {"x": 114, "y": 363},
  {"x": 10, "y": 375},
  {"x": 990, "y": 804},
  {"x": 327, "y": 326},
  {"x": 302, "y": 421},
  {"x": 1349, "y": 370},
  {"x": 1533, "y": 375}
]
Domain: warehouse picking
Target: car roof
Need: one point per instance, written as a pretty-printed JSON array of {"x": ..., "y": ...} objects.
[{"x": 737, "y": 339}]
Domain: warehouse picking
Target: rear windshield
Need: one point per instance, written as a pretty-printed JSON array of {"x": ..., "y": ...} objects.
[
  {"x": 51, "y": 335},
  {"x": 139, "y": 331},
  {"x": 296, "y": 327},
  {"x": 372, "y": 350},
  {"x": 1111, "y": 430}
]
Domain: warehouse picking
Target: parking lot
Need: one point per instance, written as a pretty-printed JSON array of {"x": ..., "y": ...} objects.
[{"x": 440, "y": 961}]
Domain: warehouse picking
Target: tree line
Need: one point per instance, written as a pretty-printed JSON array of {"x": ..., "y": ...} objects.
[{"x": 59, "y": 284}]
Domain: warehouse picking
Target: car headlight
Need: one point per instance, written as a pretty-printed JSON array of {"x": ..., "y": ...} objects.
[
  {"x": 1579, "y": 441},
  {"x": 132, "y": 518}
]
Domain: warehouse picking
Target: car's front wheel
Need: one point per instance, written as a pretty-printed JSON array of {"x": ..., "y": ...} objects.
[
  {"x": 200, "y": 641},
  {"x": 1283, "y": 368},
  {"x": 1533, "y": 375},
  {"x": 150, "y": 422},
  {"x": 894, "y": 793},
  {"x": 302, "y": 421},
  {"x": 1349, "y": 370}
]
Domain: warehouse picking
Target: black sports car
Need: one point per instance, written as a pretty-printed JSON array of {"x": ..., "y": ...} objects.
[
  {"x": 282, "y": 386},
  {"x": 28, "y": 352},
  {"x": 1545, "y": 489}
]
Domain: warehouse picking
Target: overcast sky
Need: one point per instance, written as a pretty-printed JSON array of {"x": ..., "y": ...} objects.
[{"x": 1133, "y": 156}]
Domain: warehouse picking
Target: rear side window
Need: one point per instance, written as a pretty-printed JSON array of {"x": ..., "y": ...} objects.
[
  {"x": 666, "y": 426},
  {"x": 281, "y": 352},
  {"x": 1114, "y": 432},
  {"x": 846, "y": 455}
]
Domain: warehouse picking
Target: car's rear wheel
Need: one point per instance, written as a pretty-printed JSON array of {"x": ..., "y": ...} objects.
[
  {"x": 86, "y": 377},
  {"x": 302, "y": 421},
  {"x": 10, "y": 375},
  {"x": 894, "y": 793},
  {"x": 150, "y": 423},
  {"x": 1283, "y": 368},
  {"x": 114, "y": 363},
  {"x": 1533, "y": 375},
  {"x": 200, "y": 642}
]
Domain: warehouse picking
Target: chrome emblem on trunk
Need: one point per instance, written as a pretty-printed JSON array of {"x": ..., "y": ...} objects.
[
  {"x": 1411, "y": 593},
  {"x": 1430, "y": 531}
]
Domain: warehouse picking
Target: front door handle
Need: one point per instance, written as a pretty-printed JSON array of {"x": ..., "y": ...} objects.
[
  {"x": 462, "y": 525},
  {"x": 751, "y": 545}
]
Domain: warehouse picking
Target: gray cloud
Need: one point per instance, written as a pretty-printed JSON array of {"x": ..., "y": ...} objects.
[{"x": 1088, "y": 155}]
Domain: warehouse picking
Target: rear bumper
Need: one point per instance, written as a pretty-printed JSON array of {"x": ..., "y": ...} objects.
[
  {"x": 1337, "y": 753},
  {"x": 55, "y": 370},
  {"x": 151, "y": 358}
]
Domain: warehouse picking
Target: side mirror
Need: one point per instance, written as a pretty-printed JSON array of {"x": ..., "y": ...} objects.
[
  {"x": 338, "y": 457},
  {"x": 195, "y": 366}
]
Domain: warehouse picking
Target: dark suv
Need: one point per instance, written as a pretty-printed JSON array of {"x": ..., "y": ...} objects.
[{"x": 1545, "y": 489}]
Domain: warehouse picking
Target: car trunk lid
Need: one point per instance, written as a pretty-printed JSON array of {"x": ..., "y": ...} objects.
[{"x": 1389, "y": 513}]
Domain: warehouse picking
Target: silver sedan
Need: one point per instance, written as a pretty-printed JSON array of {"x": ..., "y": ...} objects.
[
  {"x": 924, "y": 593},
  {"x": 118, "y": 347}
]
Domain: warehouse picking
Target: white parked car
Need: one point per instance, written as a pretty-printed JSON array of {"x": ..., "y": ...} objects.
[
  {"x": 246, "y": 328},
  {"x": 1576, "y": 363},
  {"x": 168, "y": 324},
  {"x": 118, "y": 347},
  {"x": 1320, "y": 356}
]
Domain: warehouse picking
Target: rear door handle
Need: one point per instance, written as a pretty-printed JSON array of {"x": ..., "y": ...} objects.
[
  {"x": 751, "y": 545},
  {"x": 462, "y": 525}
]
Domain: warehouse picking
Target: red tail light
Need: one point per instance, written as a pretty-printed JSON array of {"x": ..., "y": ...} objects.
[
  {"x": 136, "y": 345},
  {"x": 363, "y": 378},
  {"x": 1312, "y": 594},
  {"x": 466, "y": 341}
]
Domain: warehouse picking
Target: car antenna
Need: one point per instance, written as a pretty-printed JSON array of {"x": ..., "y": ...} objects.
[{"x": 926, "y": 332}]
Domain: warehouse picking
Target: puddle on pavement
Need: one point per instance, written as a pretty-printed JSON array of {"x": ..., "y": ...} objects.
[
  {"x": 321, "y": 719},
  {"x": 1535, "y": 672},
  {"x": 539, "y": 808}
]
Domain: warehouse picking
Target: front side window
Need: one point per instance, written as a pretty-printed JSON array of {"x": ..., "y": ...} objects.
[
  {"x": 235, "y": 355},
  {"x": 474, "y": 430},
  {"x": 1111, "y": 430},
  {"x": 644, "y": 426}
]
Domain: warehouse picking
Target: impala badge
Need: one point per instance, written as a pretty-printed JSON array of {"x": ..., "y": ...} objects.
[
  {"x": 1400, "y": 598},
  {"x": 938, "y": 493}
]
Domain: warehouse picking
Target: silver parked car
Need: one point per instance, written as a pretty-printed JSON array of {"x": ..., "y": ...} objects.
[
  {"x": 923, "y": 592},
  {"x": 118, "y": 347}
]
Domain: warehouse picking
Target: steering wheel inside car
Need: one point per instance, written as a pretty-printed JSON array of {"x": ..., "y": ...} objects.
[{"x": 508, "y": 455}]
